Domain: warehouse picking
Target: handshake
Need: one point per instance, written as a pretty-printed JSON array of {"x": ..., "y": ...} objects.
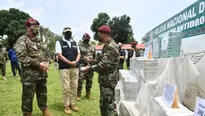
[
  {"x": 85, "y": 69},
  {"x": 44, "y": 66},
  {"x": 88, "y": 61}
]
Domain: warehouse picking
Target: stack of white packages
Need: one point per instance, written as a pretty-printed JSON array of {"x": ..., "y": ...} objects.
[
  {"x": 129, "y": 86},
  {"x": 148, "y": 69},
  {"x": 181, "y": 111},
  {"x": 135, "y": 67},
  {"x": 117, "y": 93}
]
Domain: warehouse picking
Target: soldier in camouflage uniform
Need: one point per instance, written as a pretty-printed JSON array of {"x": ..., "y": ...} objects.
[
  {"x": 87, "y": 55},
  {"x": 134, "y": 52},
  {"x": 34, "y": 63},
  {"x": 107, "y": 67},
  {"x": 3, "y": 60}
]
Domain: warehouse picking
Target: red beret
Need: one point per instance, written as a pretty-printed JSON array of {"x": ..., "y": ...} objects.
[
  {"x": 31, "y": 22},
  {"x": 133, "y": 43},
  {"x": 105, "y": 29},
  {"x": 86, "y": 35}
]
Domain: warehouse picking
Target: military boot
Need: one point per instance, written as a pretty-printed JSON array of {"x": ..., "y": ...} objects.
[
  {"x": 88, "y": 96},
  {"x": 27, "y": 114},
  {"x": 74, "y": 108},
  {"x": 4, "y": 78},
  {"x": 67, "y": 110},
  {"x": 78, "y": 95},
  {"x": 46, "y": 112}
]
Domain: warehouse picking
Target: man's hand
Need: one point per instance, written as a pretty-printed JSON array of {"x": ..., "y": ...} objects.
[
  {"x": 48, "y": 64},
  {"x": 87, "y": 68},
  {"x": 44, "y": 66},
  {"x": 73, "y": 64},
  {"x": 122, "y": 57}
]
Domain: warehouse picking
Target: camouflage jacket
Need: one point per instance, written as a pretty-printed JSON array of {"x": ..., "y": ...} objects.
[
  {"x": 107, "y": 67},
  {"x": 30, "y": 53},
  {"x": 86, "y": 50},
  {"x": 3, "y": 56}
]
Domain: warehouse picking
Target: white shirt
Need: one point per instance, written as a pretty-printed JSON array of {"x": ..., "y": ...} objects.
[
  {"x": 133, "y": 56},
  {"x": 58, "y": 45}
]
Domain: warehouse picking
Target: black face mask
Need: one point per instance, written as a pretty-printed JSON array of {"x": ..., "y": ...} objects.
[
  {"x": 35, "y": 31},
  {"x": 86, "y": 41},
  {"x": 67, "y": 35}
]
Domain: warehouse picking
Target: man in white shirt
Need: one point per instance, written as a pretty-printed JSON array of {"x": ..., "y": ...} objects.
[{"x": 68, "y": 58}]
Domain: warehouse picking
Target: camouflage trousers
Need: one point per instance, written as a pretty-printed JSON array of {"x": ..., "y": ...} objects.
[
  {"x": 89, "y": 80},
  {"x": 107, "y": 104},
  {"x": 29, "y": 89},
  {"x": 3, "y": 69}
]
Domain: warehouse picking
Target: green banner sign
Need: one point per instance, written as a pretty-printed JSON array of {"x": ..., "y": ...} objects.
[{"x": 189, "y": 21}]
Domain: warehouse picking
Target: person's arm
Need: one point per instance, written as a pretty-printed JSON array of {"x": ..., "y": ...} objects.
[
  {"x": 21, "y": 52},
  {"x": 107, "y": 60},
  {"x": 48, "y": 56},
  {"x": 92, "y": 61},
  {"x": 6, "y": 56},
  {"x": 78, "y": 56},
  {"x": 9, "y": 54}
]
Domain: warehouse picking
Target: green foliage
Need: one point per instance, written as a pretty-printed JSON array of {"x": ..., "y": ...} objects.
[
  {"x": 101, "y": 19},
  {"x": 93, "y": 42},
  {"x": 12, "y": 24},
  {"x": 11, "y": 90},
  {"x": 121, "y": 28},
  {"x": 50, "y": 37}
]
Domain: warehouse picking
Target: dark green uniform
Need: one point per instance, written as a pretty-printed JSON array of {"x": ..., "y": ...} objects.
[
  {"x": 3, "y": 59},
  {"x": 30, "y": 53},
  {"x": 107, "y": 68},
  {"x": 86, "y": 50},
  {"x": 130, "y": 55}
]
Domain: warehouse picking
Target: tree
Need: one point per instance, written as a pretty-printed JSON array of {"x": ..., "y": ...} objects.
[
  {"x": 12, "y": 24},
  {"x": 121, "y": 29},
  {"x": 93, "y": 42},
  {"x": 120, "y": 26},
  {"x": 49, "y": 38},
  {"x": 101, "y": 19}
]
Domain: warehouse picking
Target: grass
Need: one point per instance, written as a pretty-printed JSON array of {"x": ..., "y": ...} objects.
[{"x": 11, "y": 90}]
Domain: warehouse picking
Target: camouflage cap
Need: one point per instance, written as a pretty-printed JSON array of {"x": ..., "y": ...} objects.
[{"x": 67, "y": 29}]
